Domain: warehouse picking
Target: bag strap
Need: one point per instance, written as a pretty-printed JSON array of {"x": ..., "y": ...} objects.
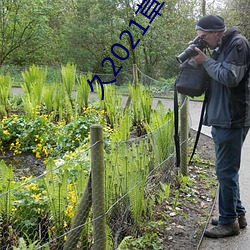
[
  {"x": 199, "y": 127},
  {"x": 176, "y": 126}
]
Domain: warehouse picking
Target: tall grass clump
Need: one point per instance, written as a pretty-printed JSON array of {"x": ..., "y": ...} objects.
[
  {"x": 68, "y": 74},
  {"x": 161, "y": 130},
  {"x": 83, "y": 92},
  {"x": 5, "y": 90},
  {"x": 48, "y": 98},
  {"x": 141, "y": 105},
  {"x": 34, "y": 80},
  {"x": 126, "y": 173},
  {"x": 112, "y": 105}
]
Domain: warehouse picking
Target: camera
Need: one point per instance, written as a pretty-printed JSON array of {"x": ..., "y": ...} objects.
[{"x": 190, "y": 51}]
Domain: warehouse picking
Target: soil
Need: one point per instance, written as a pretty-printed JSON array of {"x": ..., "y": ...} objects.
[
  {"x": 186, "y": 223},
  {"x": 25, "y": 164},
  {"x": 178, "y": 220}
]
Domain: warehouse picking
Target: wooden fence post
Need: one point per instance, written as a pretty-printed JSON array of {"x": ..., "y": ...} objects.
[
  {"x": 135, "y": 74},
  {"x": 135, "y": 81},
  {"x": 80, "y": 218},
  {"x": 98, "y": 194}
]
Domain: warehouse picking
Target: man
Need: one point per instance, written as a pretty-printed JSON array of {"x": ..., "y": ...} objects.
[{"x": 228, "y": 112}]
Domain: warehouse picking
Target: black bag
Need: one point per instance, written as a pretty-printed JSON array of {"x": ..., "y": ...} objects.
[{"x": 192, "y": 80}]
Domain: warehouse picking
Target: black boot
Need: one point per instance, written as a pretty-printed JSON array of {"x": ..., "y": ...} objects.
[
  {"x": 241, "y": 219},
  {"x": 221, "y": 231}
]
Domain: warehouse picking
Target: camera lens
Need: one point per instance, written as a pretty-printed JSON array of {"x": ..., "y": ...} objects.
[
  {"x": 187, "y": 53},
  {"x": 190, "y": 50}
]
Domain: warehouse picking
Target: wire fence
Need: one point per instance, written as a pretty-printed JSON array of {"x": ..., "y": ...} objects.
[
  {"x": 160, "y": 87},
  {"x": 42, "y": 210},
  {"x": 55, "y": 210}
]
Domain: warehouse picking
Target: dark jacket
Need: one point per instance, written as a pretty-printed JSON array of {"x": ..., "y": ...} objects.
[{"x": 228, "y": 103}]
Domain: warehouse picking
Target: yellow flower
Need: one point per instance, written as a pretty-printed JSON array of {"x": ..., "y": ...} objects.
[
  {"x": 102, "y": 112},
  {"x": 6, "y": 132},
  {"x": 45, "y": 151},
  {"x": 37, "y": 196},
  {"x": 31, "y": 187},
  {"x": 69, "y": 211},
  {"x": 73, "y": 199},
  {"x": 16, "y": 152},
  {"x": 38, "y": 156}
]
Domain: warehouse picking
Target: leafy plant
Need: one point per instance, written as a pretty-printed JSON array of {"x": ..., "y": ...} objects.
[
  {"x": 121, "y": 131},
  {"x": 6, "y": 184},
  {"x": 184, "y": 181},
  {"x": 161, "y": 126},
  {"x": 30, "y": 208},
  {"x": 147, "y": 241},
  {"x": 34, "y": 81},
  {"x": 48, "y": 98},
  {"x": 43, "y": 137},
  {"x": 5, "y": 90},
  {"x": 126, "y": 173},
  {"x": 141, "y": 104},
  {"x": 56, "y": 191},
  {"x": 112, "y": 105},
  {"x": 83, "y": 91},
  {"x": 176, "y": 199},
  {"x": 68, "y": 74},
  {"x": 22, "y": 245},
  {"x": 164, "y": 191}
]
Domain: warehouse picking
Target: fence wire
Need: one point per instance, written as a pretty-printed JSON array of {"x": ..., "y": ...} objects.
[
  {"x": 40, "y": 211},
  {"x": 161, "y": 87},
  {"x": 44, "y": 210}
]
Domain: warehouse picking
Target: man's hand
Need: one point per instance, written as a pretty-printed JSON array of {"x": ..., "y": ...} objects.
[{"x": 200, "y": 58}]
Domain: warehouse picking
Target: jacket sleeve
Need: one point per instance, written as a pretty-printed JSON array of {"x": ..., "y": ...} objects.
[{"x": 234, "y": 66}]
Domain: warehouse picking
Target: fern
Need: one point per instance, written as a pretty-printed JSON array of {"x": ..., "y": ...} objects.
[
  {"x": 6, "y": 184},
  {"x": 68, "y": 74},
  {"x": 161, "y": 126},
  {"x": 56, "y": 184},
  {"x": 49, "y": 97},
  {"x": 5, "y": 90},
  {"x": 83, "y": 91},
  {"x": 33, "y": 86}
]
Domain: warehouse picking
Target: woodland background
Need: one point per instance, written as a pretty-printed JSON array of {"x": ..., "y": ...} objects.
[
  {"x": 55, "y": 32},
  {"x": 80, "y": 33}
]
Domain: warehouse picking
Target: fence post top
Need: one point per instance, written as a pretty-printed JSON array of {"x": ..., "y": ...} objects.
[{"x": 96, "y": 126}]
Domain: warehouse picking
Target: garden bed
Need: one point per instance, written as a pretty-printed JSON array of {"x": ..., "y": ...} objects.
[
  {"x": 179, "y": 221},
  {"x": 185, "y": 226}
]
